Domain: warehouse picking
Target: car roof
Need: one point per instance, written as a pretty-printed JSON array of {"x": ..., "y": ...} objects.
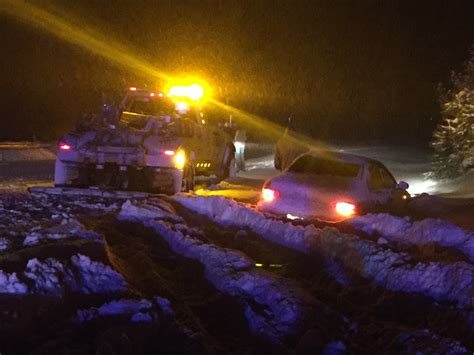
[{"x": 342, "y": 156}]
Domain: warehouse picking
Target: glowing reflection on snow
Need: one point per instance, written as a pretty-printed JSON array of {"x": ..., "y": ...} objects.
[
  {"x": 235, "y": 194},
  {"x": 292, "y": 217}
]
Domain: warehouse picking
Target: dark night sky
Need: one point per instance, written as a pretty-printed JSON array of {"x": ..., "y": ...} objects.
[{"x": 358, "y": 70}]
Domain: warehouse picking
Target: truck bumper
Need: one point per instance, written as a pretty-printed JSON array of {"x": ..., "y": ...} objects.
[{"x": 167, "y": 180}]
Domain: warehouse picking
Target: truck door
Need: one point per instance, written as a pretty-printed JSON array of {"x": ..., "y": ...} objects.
[{"x": 218, "y": 139}]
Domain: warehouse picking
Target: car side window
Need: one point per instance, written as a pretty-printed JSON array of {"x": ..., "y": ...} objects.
[
  {"x": 380, "y": 178},
  {"x": 388, "y": 179},
  {"x": 375, "y": 178}
]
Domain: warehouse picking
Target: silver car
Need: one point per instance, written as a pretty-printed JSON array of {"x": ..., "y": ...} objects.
[{"x": 332, "y": 186}]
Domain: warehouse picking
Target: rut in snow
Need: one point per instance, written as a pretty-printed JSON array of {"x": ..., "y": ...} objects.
[
  {"x": 395, "y": 271},
  {"x": 275, "y": 308}
]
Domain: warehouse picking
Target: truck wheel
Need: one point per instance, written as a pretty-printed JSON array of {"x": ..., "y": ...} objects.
[{"x": 65, "y": 175}]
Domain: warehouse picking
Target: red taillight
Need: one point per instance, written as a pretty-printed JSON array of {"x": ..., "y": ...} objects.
[
  {"x": 268, "y": 195},
  {"x": 169, "y": 153},
  {"x": 345, "y": 209},
  {"x": 65, "y": 147}
]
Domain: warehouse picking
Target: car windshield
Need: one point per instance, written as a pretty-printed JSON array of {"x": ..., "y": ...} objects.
[{"x": 320, "y": 166}]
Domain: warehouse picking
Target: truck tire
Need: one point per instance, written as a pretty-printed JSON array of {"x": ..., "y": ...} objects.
[{"x": 65, "y": 175}]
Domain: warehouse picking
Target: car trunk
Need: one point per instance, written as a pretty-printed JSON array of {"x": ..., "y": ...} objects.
[{"x": 313, "y": 195}]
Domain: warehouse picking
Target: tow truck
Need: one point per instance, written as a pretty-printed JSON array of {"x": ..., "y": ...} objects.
[{"x": 157, "y": 142}]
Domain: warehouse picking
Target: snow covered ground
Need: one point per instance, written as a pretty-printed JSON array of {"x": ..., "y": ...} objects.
[
  {"x": 426, "y": 231},
  {"x": 285, "y": 307},
  {"x": 53, "y": 267},
  {"x": 396, "y": 271},
  {"x": 91, "y": 265}
]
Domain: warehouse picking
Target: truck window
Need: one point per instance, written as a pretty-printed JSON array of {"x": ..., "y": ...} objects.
[
  {"x": 319, "y": 166},
  {"x": 151, "y": 106}
]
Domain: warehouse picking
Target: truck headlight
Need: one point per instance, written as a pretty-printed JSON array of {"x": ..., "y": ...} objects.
[{"x": 180, "y": 159}]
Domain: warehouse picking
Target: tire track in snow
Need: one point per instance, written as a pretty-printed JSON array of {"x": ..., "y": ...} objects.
[
  {"x": 395, "y": 271},
  {"x": 276, "y": 308},
  {"x": 215, "y": 320},
  {"x": 380, "y": 314}
]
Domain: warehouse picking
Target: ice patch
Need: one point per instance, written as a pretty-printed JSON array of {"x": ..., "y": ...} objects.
[
  {"x": 394, "y": 271},
  {"x": 402, "y": 230}
]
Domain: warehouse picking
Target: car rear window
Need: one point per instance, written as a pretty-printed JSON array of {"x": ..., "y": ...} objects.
[{"x": 320, "y": 166}]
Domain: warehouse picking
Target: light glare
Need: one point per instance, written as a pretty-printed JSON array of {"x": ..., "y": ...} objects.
[
  {"x": 345, "y": 209},
  {"x": 65, "y": 146},
  {"x": 194, "y": 92},
  {"x": 180, "y": 160},
  {"x": 268, "y": 195}
]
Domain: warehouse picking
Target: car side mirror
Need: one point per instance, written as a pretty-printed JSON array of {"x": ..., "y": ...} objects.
[{"x": 402, "y": 185}]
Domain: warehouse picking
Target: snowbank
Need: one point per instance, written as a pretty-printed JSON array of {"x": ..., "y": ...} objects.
[
  {"x": 9, "y": 283},
  {"x": 136, "y": 310},
  {"x": 69, "y": 227},
  {"x": 148, "y": 211},
  {"x": 89, "y": 276},
  {"x": 394, "y": 271},
  {"x": 51, "y": 277},
  {"x": 46, "y": 276},
  {"x": 275, "y": 308},
  {"x": 402, "y": 230},
  {"x": 426, "y": 342}
]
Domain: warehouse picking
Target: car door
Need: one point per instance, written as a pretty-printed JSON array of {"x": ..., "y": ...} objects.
[{"x": 380, "y": 184}]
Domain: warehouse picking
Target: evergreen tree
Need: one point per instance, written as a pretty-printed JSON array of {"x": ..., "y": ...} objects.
[{"x": 453, "y": 138}]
